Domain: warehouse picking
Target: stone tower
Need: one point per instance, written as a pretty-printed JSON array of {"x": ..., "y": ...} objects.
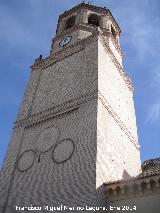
[{"x": 76, "y": 127}]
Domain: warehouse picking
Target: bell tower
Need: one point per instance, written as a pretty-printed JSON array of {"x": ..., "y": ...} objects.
[
  {"x": 76, "y": 127},
  {"x": 84, "y": 20}
]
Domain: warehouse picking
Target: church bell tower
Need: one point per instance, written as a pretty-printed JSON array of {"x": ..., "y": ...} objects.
[{"x": 76, "y": 127}]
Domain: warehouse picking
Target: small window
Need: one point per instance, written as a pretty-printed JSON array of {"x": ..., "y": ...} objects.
[
  {"x": 70, "y": 22},
  {"x": 93, "y": 19},
  {"x": 113, "y": 32}
]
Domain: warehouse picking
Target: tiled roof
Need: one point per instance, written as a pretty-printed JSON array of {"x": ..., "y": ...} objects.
[
  {"x": 151, "y": 165},
  {"x": 149, "y": 168}
]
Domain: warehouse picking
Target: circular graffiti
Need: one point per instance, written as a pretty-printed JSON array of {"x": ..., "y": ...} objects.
[
  {"x": 26, "y": 160},
  {"x": 63, "y": 150}
]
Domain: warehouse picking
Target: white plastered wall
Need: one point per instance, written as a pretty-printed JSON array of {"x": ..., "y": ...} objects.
[{"x": 117, "y": 156}]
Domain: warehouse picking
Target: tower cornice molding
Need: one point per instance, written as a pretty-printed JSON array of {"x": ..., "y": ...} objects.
[
  {"x": 89, "y": 28},
  {"x": 118, "y": 120},
  {"x": 82, "y": 26},
  {"x": 86, "y": 7},
  {"x": 60, "y": 109},
  {"x": 71, "y": 105},
  {"x": 78, "y": 46},
  {"x": 102, "y": 11},
  {"x": 53, "y": 58}
]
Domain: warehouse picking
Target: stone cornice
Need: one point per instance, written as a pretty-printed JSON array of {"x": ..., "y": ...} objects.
[
  {"x": 70, "y": 106},
  {"x": 81, "y": 26},
  {"x": 76, "y": 47},
  {"x": 101, "y": 10},
  {"x": 89, "y": 28},
  {"x": 60, "y": 109},
  {"x": 116, "y": 63},
  {"x": 142, "y": 185},
  {"x": 118, "y": 120},
  {"x": 85, "y": 6}
]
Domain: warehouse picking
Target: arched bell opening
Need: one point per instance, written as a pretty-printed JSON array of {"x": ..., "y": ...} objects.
[
  {"x": 70, "y": 22},
  {"x": 94, "y": 20}
]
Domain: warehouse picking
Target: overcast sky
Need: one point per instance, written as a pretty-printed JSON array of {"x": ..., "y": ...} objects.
[{"x": 26, "y": 30}]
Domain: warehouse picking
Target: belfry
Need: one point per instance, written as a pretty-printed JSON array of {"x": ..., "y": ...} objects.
[{"x": 76, "y": 127}]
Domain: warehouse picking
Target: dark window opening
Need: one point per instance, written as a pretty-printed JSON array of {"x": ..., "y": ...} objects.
[
  {"x": 110, "y": 192},
  {"x": 113, "y": 32},
  {"x": 93, "y": 19},
  {"x": 70, "y": 22},
  {"x": 144, "y": 187}
]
